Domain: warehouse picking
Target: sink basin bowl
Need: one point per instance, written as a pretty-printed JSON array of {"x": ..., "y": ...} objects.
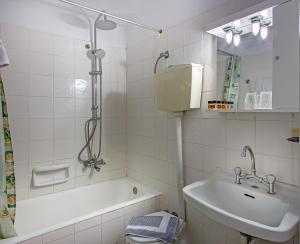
[{"x": 248, "y": 207}]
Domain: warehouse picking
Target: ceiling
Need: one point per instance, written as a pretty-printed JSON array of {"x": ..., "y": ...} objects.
[
  {"x": 156, "y": 13},
  {"x": 60, "y": 18}
]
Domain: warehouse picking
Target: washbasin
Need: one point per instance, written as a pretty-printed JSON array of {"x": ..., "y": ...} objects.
[{"x": 248, "y": 207}]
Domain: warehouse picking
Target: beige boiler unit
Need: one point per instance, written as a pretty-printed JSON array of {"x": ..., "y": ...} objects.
[{"x": 179, "y": 87}]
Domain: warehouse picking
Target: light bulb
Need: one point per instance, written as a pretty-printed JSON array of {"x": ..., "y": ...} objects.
[
  {"x": 236, "y": 39},
  {"x": 264, "y": 32},
  {"x": 229, "y": 36},
  {"x": 255, "y": 27}
]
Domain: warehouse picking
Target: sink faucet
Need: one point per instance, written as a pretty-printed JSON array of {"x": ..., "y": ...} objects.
[
  {"x": 244, "y": 154},
  {"x": 268, "y": 180}
]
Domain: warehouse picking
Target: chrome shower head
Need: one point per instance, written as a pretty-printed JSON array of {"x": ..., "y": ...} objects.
[{"x": 105, "y": 24}]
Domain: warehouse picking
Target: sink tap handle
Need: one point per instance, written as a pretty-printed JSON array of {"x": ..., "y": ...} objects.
[
  {"x": 238, "y": 173},
  {"x": 270, "y": 179}
]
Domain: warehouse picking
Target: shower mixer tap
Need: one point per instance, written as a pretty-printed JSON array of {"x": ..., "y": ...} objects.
[{"x": 95, "y": 164}]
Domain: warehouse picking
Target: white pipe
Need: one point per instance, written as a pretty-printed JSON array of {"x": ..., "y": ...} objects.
[
  {"x": 111, "y": 15},
  {"x": 180, "y": 174}
]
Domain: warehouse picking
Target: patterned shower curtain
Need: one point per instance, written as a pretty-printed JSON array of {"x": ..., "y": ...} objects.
[{"x": 7, "y": 176}]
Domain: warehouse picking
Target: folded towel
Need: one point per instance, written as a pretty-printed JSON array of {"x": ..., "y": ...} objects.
[
  {"x": 4, "y": 61},
  {"x": 161, "y": 225}
]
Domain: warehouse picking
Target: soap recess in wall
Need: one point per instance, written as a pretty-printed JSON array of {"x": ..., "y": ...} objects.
[{"x": 50, "y": 174}]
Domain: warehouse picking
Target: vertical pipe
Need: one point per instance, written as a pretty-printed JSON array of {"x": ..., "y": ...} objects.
[{"x": 180, "y": 173}]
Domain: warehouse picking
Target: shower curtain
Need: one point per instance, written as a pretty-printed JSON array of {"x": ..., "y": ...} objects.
[
  {"x": 7, "y": 176},
  {"x": 232, "y": 79}
]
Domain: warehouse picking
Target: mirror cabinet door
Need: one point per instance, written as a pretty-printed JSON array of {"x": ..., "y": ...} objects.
[{"x": 286, "y": 57}]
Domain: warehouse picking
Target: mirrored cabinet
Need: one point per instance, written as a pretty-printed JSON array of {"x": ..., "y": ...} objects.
[{"x": 258, "y": 60}]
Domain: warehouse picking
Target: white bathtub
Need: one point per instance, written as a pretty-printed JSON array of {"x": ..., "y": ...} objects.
[{"x": 91, "y": 214}]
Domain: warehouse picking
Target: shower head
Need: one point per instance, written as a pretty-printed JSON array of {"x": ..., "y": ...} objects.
[
  {"x": 105, "y": 24},
  {"x": 99, "y": 53}
]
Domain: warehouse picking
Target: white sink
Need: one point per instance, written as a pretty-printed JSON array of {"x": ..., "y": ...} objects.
[{"x": 249, "y": 210}]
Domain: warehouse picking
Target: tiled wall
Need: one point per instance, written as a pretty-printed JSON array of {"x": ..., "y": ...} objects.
[
  {"x": 210, "y": 139},
  {"x": 48, "y": 91},
  {"x": 107, "y": 228}
]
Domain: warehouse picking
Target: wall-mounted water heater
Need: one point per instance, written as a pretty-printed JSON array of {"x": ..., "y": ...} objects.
[{"x": 179, "y": 87}]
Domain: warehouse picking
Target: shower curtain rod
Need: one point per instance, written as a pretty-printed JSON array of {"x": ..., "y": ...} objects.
[{"x": 112, "y": 16}]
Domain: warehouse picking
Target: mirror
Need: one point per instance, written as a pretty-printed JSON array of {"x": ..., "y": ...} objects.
[
  {"x": 246, "y": 71},
  {"x": 258, "y": 61}
]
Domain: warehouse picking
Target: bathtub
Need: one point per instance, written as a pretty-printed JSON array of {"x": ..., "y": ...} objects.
[{"x": 92, "y": 214}]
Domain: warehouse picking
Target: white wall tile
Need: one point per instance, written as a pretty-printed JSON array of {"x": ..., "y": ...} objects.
[
  {"x": 40, "y": 107},
  {"x": 64, "y": 128},
  {"x": 63, "y": 46},
  {"x": 81, "y": 107},
  {"x": 41, "y": 151},
  {"x": 175, "y": 37},
  {"x": 21, "y": 174},
  {"x": 64, "y": 148},
  {"x": 17, "y": 106},
  {"x": 91, "y": 236},
  {"x": 240, "y": 133},
  {"x": 41, "y": 42},
  {"x": 15, "y": 37},
  {"x": 41, "y": 129},
  {"x": 35, "y": 240},
  {"x": 192, "y": 32},
  {"x": 83, "y": 87},
  {"x": 19, "y": 129},
  {"x": 112, "y": 231},
  {"x": 21, "y": 151},
  {"x": 63, "y": 66},
  {"x": 193, "y": 155},
  {"x": 59, "y": 233},
  {"x": 116, "y": 214},
  {"x": 64, "y": 107},
  {"x": 89, "y": 223},
  {"x": 64, "y": 87},
  {"x": 65, "y": 240},
  {"x": 18, "y": 61},
  {"x": 41, "y": 86},
  {"x": 176, "y": 56},
  {"x": 16, "y": 84},
  {"x": 271, "y": 138},
  {"x": 281, "y": 167},
  {"x": 41, "y": 64},
  {"x": 193, "y": 53}
]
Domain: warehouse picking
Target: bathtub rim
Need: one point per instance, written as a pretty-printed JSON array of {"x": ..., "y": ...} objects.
[{"x": 150, "y": 193}]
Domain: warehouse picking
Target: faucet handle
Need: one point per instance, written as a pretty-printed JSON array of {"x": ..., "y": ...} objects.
[
  {"x": 270, "y": 178},
  {"x": 237, "y": 170}
]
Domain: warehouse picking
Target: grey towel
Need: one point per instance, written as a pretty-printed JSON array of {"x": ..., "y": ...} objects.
[{"x": 161, "y": 226}]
